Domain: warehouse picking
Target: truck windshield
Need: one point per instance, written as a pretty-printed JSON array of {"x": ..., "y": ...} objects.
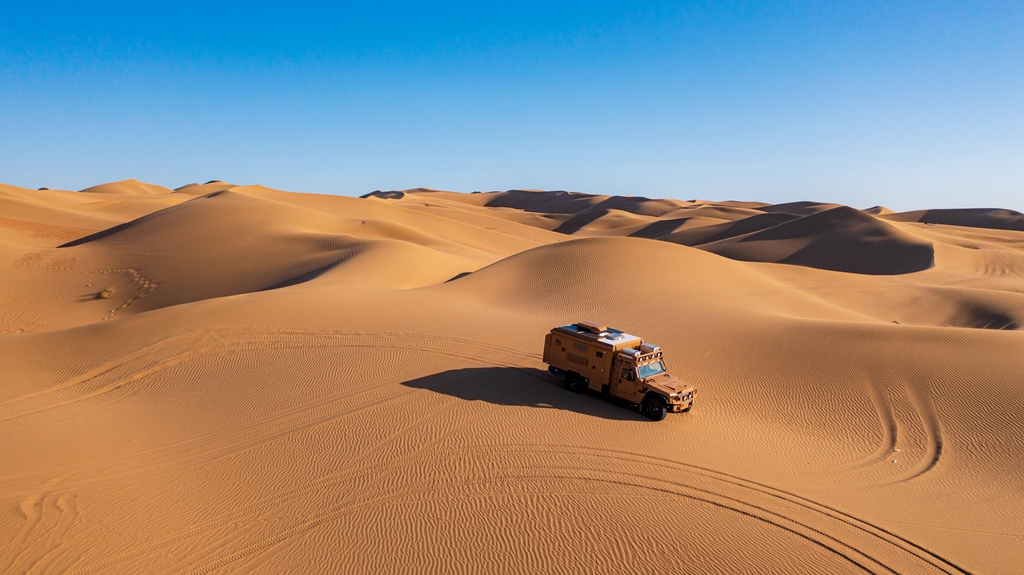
[{"x": 651, "y": 369}]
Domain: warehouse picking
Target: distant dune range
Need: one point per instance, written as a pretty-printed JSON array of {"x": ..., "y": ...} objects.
[{"x": 239, "y": 379}]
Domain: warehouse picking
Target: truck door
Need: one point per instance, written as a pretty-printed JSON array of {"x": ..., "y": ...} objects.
[
  {"x": 614, "y": 377},
  {"x": 600, "y": 370},
  {"x": 625, "y": 382},
  {"x": 630, "y": 375}
]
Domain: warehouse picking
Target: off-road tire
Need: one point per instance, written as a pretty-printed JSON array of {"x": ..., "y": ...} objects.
[
  {"x": 654, "y": 408},
  {"x": 575, "y": 383}
]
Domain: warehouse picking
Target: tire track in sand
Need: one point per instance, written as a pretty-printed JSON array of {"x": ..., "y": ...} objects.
[
  {"x": 266, "y": 429},
  {"x": 920, "y": 397},
  {"x": 924, "y": 409},
  {"x": 225, "y": 336},
  {"x": 887, "y": 420},
  {"x": 135, "y": 276},
  {"x": 728, "y": 499},
  {"x": 866, "y": 546},
  {"x": 845, "y": 520},
  {"x": 266, "y": 504},
  {"x": 222, "y": 341}
]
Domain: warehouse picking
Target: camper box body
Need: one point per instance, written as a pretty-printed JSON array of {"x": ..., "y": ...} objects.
[{"x": 591, "y": 353}]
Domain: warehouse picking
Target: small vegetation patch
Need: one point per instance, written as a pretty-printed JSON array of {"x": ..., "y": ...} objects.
[{"x": 106, "y": 293}]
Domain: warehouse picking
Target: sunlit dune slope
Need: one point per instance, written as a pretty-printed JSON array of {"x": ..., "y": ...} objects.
[
  {"x": 128, "y": 188},
  {"x": 39, "y": 217},
  {"x": 285, "y": 382},
  {"x": 580, "y": 272},
  {"x": 193, "y": 247}
]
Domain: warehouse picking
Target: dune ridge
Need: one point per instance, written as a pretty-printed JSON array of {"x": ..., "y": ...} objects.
[{"x": 279, "y": 381}]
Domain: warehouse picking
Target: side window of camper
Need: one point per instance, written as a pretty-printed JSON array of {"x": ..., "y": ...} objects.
[
  {"x": 627, "y": 374},
  {"x": 580, "y": 346},
  {"x": 598, "y": 354}
]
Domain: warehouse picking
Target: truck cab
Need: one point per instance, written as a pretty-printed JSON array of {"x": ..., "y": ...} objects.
[{"x": 590, "y": 356}]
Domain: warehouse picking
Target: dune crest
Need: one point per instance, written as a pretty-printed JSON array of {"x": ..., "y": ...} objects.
[{"x": 128, "y": 188}]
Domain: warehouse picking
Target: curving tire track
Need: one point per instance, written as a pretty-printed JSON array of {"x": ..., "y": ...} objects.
[
  {"x": 870, "y": 529},
  {"x": 887, "y": 421},
  {"x": 922, "y": 402},
  {"x": 724, "y": 491}
]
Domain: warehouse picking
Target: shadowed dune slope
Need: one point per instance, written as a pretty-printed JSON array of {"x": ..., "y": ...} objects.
[
  {"x": 839, "y": 239},
  {"x": 282, "y": 382},
  {"x": 975, "y": 218},
  {"x": 549, "y": 202},
  {"x": 713, "y": 233}
]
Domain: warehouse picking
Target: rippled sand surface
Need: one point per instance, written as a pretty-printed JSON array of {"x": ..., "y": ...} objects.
[{"x": 228, "y": 378}]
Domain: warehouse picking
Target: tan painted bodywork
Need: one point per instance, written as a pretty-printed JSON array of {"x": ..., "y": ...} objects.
[{"x": 580, "y": 348}]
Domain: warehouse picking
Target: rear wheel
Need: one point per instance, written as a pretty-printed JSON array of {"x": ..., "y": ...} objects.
[
  {"x": 654, "y": 408},
  {"x": 574, "y": 382}
]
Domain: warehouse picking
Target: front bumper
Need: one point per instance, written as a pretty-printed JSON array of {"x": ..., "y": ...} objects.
[
  {"x": 681, "y": 406},
  {"x": 682, "y": 401}
]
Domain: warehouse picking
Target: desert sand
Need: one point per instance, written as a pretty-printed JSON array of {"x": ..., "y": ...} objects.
[{"x": 282, "y": 382}]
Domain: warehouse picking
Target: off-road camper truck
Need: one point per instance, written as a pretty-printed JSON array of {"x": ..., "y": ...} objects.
[{"x": 616, "y": 364}]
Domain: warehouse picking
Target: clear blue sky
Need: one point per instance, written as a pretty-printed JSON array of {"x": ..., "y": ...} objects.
[{"x": 908, "y": 104}]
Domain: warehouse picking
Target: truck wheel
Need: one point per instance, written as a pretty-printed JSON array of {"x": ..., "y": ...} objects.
[
  {"x": 574, "y": 383},
  {"x": 654, "y": 407}
]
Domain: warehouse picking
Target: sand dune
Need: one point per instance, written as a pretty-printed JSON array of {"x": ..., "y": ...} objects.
[
  {"x": 840, "y": 239},
  {"x": 127, "y": 188},
  {"x": 295, "y": 382},
  {"x": 974, "y": 218},
  {"x": 728, "y": 229}
]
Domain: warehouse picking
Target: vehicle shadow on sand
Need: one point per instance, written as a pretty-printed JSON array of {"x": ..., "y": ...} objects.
[{"x": 522, "y": 386}]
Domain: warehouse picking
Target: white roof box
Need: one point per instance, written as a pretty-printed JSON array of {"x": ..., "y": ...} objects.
[
  {"x": 647, "y": 348},
  {"x": 631, "y": 352}
]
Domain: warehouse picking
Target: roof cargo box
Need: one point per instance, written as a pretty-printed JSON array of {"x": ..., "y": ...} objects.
[
  {"x": 592, "y": 327},
  {"x": 647, "y": 348}
]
